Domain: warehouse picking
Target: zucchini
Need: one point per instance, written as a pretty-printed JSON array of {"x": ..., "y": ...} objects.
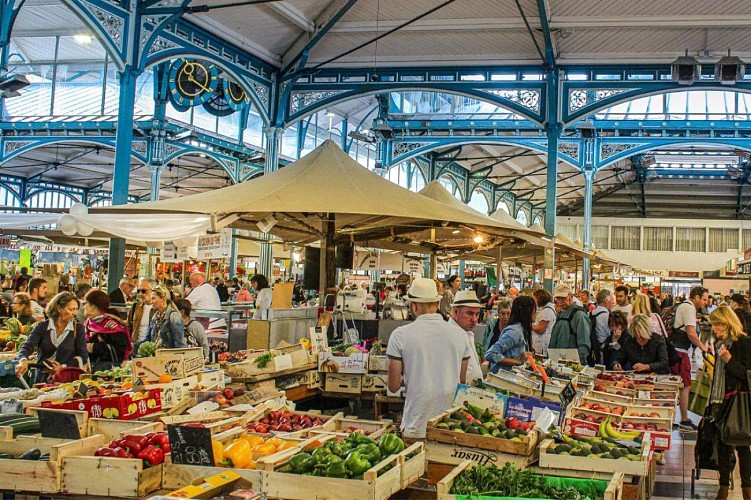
[
  {"x": 32, "y": 454},
  {"x": 11, "y": 416},
  {"x": 45, "y": 457},
  {"x": 6, "y": 456},
  {"x": 26, "y": 427},
  {"x": 17, "y": 420}
]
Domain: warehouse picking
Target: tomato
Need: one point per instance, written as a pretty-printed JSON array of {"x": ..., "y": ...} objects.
[{"x": 285, "y": 428}]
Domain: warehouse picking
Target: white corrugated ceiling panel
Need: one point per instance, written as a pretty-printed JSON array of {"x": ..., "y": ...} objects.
[{"x": 664, "y": 9}]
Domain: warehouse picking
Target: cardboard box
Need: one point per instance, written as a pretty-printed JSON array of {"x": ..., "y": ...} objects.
[
  {"x": 355, "y": 363},
  {"x": 211, "y": 379},
  {"x": 481, "y": 397},
  {"x": 347, "y": 383},
  {"x": 259, "y": 335},
  {"x": 313, "y": 379},
  {"x": 178, "y": 363},
  {"x": 375, "y": 382},
  {"x": 528, "y": 409},
  {"x": 286, "y": 357},
  {"x": 122, "y": 406},
  {"x": 377, "y": 363},
  {"x": 174, "y": 391}
]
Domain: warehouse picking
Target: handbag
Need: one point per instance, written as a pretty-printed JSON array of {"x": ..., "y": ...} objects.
[
  {"x": 104, "y": 365},
  {"x": 734, "y": 420},
  {"x": 707, "y": 449}
]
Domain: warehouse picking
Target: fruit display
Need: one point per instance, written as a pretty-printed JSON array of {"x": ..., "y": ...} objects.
[
  {"x": 475, "y": 420},
  {"x": 114, "y": 374},
  {"x": 513, "y": 482},
  {"x": 223, "y": 398},
  {"x": 595, "y": 406},
  {"x": 595, "y": 447},
  {"x": 284, "y": 421},
  {"x": 350, "y": 458},
  {"x": 151, "y": 448}
]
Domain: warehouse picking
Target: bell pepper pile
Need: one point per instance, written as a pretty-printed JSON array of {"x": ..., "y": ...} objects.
[
  {"x": 345, "y": 459},
  {"x": 239, "y": 452},
  {"x": 151, "y": 448}
]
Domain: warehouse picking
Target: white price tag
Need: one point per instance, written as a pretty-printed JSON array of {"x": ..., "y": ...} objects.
[
  {"x": 545, "y": 419},
  {"x": 283, "y": 362},
  {"x": 644, "y": 395}
]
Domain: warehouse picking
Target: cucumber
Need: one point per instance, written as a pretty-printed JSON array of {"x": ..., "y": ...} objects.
[
  {"x": 28, "y": 427},
  {"x": 6, "y": 456},
  {"x": 11, "y": 416},
  {"x": 11, "y": 423}
]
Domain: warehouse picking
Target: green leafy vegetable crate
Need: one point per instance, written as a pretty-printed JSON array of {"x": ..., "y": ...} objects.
[{"x": 599, "y": 489}]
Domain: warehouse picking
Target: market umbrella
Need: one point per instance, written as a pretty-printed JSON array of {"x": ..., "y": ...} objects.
[{"x": 324, "y": 196}]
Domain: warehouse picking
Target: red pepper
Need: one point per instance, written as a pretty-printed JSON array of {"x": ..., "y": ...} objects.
[
  {"x": 104, "y": 452},
  {"x": 121, "y": 453},
  {"x": 133, "y": 446},
  {"x": 152, "y": 454},
  {"x": 136, "y": 438},
  {"x": 162, "y": 441},
  {"x": 117, "y": 442}
]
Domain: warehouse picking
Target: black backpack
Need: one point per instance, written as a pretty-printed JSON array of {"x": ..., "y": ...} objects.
[{"x": 595, "y": 351}]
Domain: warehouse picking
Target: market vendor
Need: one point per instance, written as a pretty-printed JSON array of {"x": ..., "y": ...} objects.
[
  {"x": 643, "y": 350},
  {"x": 59, "y": 340},
  {"x": 264, "y": 296},
  {"x": 21, "y": 308},
  {"x": 109, "y": 339},
  {"x": 465, "y": 314},
  {"x": 428, "y": 357}
]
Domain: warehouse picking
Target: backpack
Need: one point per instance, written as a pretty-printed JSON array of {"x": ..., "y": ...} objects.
[
  {"x": 595, "y": 351},
  {"x": 667, "y": 316},
  {"x": 190, "y": 340},
  {"x": 577, "y": 310}
]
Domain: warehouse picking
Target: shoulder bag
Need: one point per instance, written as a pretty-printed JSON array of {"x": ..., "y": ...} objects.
[{"x": 734, "y": 419}]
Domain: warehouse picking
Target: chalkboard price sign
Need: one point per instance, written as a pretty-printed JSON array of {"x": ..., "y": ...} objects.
[
  {"x": 190, "y": 445},
  {"x": 58, "y": 424},
  {"x": 567, "y": 395}
]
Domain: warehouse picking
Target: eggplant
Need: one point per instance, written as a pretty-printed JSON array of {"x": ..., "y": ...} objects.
[{"x": 32, "y": 454}]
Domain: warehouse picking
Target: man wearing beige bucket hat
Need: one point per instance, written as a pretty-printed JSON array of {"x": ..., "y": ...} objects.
[
  {"x": 465, "y": 313},
  {"x": 428, "y": 357}
]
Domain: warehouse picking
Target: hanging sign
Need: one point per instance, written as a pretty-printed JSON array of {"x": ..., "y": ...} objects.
[
  {"x": 366, "y": 261},
  {"x": 414, "y": 266},
  {"x": 215, "y": 246}
]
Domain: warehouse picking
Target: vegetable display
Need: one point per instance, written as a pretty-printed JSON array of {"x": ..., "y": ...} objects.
[
  {"x": 239, "y": 452},
  {"x": 151, "y": 448},
  {"x": 345, "y": 459},
  {"x": 283, "y": 421},
  {"x": 509, "y": 481},
  {"x": 264, "y": 359},
  {"x": 475, "y": 420}
]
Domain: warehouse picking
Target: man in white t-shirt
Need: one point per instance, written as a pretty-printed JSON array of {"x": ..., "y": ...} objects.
[
  {"x": 465, "y": 313},
  {"x": 683, "y": 337},
  {"x": 204, "y": 296},
  {"x": 429, "y": 357},
  {"x": 621, "y": 301}
]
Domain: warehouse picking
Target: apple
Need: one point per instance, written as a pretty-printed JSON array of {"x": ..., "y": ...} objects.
[
  {"x": 627, "y": 426},
  {"x": 229, "y": 393}
]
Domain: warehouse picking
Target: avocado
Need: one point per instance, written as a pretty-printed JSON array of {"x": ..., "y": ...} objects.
[
  {"x": 472, "y": 430},
  {"x": 483, "y": 431},
  {"x": 562, "y": 447},
  {"x": 606, "y": 456},
  {"x": 564, "y": 453},
  {"x": 633, "y": 450},
  {"x": 616, "y": 453}
]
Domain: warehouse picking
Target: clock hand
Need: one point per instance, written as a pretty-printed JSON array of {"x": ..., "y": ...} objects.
[{"x": 202, "y": 86}]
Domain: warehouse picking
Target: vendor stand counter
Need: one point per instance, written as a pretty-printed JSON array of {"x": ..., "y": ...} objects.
[
  {"x": 289, "y": 325},
  {"x": 369, "y": 327}
]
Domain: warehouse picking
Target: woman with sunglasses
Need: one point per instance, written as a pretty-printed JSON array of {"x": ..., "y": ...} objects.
[{"x": 167, "y": 328}]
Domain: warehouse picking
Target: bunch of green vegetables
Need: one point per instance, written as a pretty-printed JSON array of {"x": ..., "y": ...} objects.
[
  {"x": 147, "y": 350},
  {"x": 263, "y": 360},
  {"x": 347, "y": 459},
  {"x": 509, "y": 481}
]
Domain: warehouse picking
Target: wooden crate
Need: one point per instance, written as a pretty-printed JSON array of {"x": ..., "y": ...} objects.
[
  {"x": 40, "y": 477},
  {"x": 108, "y": 476},
  {"x": 212, "y": 416},
  {"x": 613, "y": 492},
  {"x": 114, "y": 429},
  {"x": 374, "y": 485},
  {"x": 176, "y": 476},
  {"x": 568, "y": 462},
  {"x": 454, "y": 455},
  {"x": 524, "y": 447},
  {"x": 413, "y": 461},
  {"x": 339, "y": 425}
]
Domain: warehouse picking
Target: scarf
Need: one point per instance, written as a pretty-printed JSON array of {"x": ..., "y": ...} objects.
[
  {"x": 109, "y": 324},
  {"x": 717, "y": 393}
]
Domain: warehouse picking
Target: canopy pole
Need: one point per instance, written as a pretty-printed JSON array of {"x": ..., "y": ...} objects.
[
  {"x": 576, "y": 274},
  {"x": 327, "y": 267},
  {"x": 433, "y": 265},
  {"x": 499, "y": 269}
]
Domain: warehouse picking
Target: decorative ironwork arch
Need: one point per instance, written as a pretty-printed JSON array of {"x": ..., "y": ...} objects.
[
  {"x": 13, "y": 146},
  {"x": 612, "y": 150},
  {"x": 218, "y": 159}
]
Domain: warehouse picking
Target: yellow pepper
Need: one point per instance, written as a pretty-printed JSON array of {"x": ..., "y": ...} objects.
[
  {"x": 218, "y": 449},
  {"x": 239, "y": 453}
]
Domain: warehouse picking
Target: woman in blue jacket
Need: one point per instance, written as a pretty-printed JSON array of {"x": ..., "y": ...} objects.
[{"x": 512, "y": 347}]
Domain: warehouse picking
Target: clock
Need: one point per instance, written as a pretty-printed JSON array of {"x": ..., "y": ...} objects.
[
  {"x": 235, "y": 95},
  {"x": 219, "y": 104},
  {"x": 192, "y": 82}
]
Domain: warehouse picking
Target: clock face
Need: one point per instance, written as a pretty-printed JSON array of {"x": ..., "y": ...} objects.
[
  {"x": 235, "y": 95},
  {"x": 192, "y": 82},
  {"x": 218, "y": 104}
]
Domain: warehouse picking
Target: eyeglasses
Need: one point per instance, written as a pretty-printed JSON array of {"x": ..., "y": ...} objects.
[{"x": 144, "y": 290}]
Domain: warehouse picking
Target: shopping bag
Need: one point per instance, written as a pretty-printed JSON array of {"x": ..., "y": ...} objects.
[
  {"x": 734, "y": 420},
  {"x": 707, "y": 450}
]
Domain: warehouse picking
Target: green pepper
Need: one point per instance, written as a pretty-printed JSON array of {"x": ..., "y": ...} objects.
[
  {"x": 301, "y": 463},
  {"x": 356, "y": 464},
  {"x": 391, "y": 444},
  {"x": 320, "y": 453},
  {"x": 339, "y": 449},
  {"x": 369, "y": 452},
  {"x": 331, "y": 459},
  {"x": 358, "y": 438},
  {"x": 337, "y": 469}
]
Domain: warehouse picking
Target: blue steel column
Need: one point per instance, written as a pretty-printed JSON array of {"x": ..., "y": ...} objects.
[
  {"x": 551, "y": 190},
  {"x": 121, "y": 174},
  {"x": 589, "y": 177},
  {"x": 273, "y": 142}
]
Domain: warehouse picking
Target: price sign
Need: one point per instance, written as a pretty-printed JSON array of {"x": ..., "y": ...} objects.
[
  {"x": 190, "y": 445},
  {"x": 567, "y": 395},
  {"x": 58, "y": 424}
]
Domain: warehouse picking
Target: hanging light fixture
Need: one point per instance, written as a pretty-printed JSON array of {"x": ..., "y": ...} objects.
[
  {"x": 729, "y": 70},
  {"x": 685, "y": 70}
]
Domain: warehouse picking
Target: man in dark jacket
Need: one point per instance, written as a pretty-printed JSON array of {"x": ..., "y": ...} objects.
[
  {"x": 740, "y": 306},
  {"x": 643, "y": 350},
  {"x": 572, "y": 327}
]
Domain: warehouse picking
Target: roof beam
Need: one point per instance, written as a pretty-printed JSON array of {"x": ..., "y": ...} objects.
[
  {"x": 469, "y": 24},
  {"x": 544, "y": 13},
  {"x": 597, "y": 22},
  {"x": 334, "y": 11},
  {"x": 291, "y": 13}
]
